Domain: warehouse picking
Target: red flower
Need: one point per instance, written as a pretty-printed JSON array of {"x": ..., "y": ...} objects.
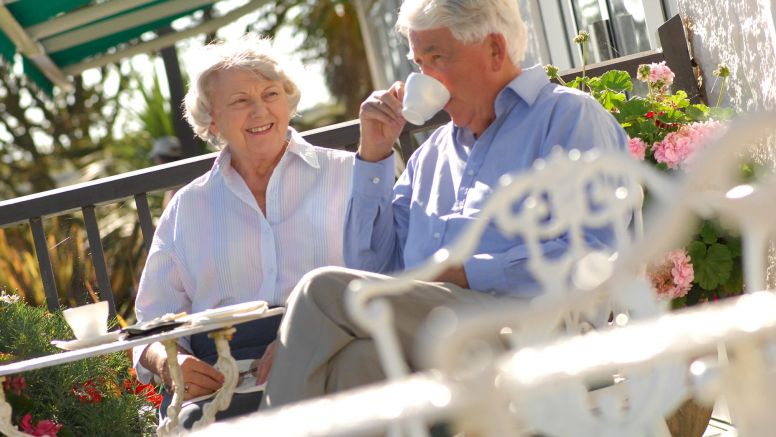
[
  {"x": 42, "y": 428},
  {"x": 87, "y": 393},
  {"x": 147, "y": 390},
  {"x": 15, "y": 384},
  {"x": 650, "y": 114}
]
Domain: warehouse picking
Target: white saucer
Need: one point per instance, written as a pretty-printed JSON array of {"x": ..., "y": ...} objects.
[{"x": 72, "y": 345}]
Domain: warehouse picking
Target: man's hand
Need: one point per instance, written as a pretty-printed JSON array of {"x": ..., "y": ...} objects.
[
  {"x": 381, "y": 123},
  {"x": 264, "y": 364},
  {"x": 454, "y": 275}
]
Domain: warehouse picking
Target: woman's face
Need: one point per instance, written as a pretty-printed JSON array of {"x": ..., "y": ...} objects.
[{"x": 249, "y": 112}]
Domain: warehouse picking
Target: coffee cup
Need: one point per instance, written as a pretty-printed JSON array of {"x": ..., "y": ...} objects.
[
  {"x": 88, "y": 321},
  {"x": 424, "y": 96}
]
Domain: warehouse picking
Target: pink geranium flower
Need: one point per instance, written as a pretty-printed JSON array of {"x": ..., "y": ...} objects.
[
  {"x": 659, "y": 77},
  {"x": 42, "y": 428},
  {"x": 677, "y": 149},
  {"x": 637, "y": 147},
  {"x": 672, "y": 276}
]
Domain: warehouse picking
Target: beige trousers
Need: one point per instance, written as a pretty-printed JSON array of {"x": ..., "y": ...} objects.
[{"x": 322, "y": 351}]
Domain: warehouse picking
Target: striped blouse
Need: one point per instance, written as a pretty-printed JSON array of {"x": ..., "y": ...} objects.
[{"x": 214, "y": 246}]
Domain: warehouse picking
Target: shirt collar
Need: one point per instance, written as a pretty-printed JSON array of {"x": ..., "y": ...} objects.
[
  {"x": 300, "y": 147},
  {"x": 527, "y": 86}
]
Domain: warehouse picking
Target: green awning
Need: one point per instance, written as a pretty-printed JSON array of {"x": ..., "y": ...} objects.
[{"x": 57, "y": 38}]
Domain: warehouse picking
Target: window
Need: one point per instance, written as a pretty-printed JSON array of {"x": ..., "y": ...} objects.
[{"x": 616, "y": 27}]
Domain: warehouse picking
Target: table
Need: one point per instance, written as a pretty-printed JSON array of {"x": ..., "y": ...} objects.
[{"x": 222, "y": 328}]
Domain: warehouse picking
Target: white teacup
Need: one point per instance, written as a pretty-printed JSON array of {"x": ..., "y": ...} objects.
[
  {"x": 424, "y": 96},
  {"x": 88, "y": 321}
]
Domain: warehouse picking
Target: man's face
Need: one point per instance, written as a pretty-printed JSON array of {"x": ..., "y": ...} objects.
[{"x": 462, "y": 68}]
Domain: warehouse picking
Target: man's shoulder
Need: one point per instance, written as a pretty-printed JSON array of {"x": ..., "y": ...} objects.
[{"x": 568, "y": 96}]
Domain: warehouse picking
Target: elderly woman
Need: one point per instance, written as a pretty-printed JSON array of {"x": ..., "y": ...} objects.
[{"x": 269, "y": 210}]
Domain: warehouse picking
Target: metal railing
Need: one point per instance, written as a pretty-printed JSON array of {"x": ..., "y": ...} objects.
[{"x": 85, "y": 197}]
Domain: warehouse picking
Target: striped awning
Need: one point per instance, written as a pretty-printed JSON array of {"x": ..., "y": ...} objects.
[{"x": 54, "y": 39}]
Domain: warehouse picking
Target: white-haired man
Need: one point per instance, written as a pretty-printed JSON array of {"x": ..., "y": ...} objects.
[{"x": 503, "y": 119}]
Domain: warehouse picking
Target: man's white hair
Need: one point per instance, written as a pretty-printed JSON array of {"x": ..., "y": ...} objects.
[
  {"x": 468, "y": 20},
  {"x": 248, "y": 53}
]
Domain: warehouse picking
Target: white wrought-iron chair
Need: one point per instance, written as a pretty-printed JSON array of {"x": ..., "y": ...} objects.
[
  {"x": 564, "y": 196},
  {"x": 559, "y": 406}
]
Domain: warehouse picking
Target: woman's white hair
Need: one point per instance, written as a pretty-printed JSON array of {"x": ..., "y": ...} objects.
[
  {"x": 468, "y": 20},
  {"x": 249, "y": 53}
]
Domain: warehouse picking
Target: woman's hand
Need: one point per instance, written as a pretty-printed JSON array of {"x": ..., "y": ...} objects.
[
  {"x": 199, "y": 377},
  {"x": 381, "y": 123},
  {"x": 264, "y": 364}
]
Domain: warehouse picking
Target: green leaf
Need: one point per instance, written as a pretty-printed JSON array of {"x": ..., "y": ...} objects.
[
  {"x": 734, "y": 244},
  {"x": 708, "y": 233},
  {"x": 712, "y": 266},
  {"x": 735, "y": 283},
  {"x": 678, "y": 99},
  {"x": 634, "y": 108},
  {"x": 594, "y": 83},
  {"x": 697, "y": 112},
  {"x": 611, "y": 100},
  {"x": 721, "y": 113},
  {"x": 576, "y": 83},
  {"x": 696, "y": 250},
  {"x": 617, "y": 80}
]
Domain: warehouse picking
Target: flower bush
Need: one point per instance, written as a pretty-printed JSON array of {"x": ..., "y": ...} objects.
[
  {"x": 95, "y": 396},
  {"x": 666, "y": 129}
]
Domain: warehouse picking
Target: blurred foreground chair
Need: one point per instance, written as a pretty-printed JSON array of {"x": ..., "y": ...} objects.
[
  {"x": 565, "y": 197},
  {"x": 714, "y": 350}
]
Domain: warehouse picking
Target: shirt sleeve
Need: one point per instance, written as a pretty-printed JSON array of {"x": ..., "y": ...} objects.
[
  {"x": 161, "y": 288},
  {"x": 581, "y": 124},
  {"x": 377, "y": 217}
]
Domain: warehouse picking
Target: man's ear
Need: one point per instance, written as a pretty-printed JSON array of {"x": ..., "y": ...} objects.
[{"x": 497, "y": 46}]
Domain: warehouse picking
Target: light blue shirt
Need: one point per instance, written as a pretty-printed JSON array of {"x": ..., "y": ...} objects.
[{"x": 451, "y": 176}]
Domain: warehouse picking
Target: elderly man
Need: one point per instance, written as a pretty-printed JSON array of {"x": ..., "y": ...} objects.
[{"x": 503, "y": 119}]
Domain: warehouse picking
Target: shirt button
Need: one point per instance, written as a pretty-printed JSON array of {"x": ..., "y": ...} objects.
[
  {"x": 375, "y": 180},
  {"x": 470, "y": 172},
  {"x": 437, "y": 235}
]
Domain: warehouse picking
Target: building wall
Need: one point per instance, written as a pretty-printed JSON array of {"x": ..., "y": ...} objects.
[{"x": 741, "y": 34}]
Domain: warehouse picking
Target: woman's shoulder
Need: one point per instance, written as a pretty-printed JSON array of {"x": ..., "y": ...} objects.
[{"x": 336, "y": 155}]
